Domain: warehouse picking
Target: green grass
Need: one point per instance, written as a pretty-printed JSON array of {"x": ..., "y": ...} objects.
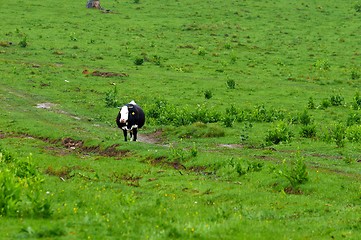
[{"x": 212, "y": 176}]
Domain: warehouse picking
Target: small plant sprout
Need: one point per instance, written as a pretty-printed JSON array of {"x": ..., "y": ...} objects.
[
  {"x": 295, "y": 172},
  {"x": 311, "y": 104},
  {"x": 138, "y": 61},
  {"x": 23, "y": 43},
  {"x": 231, "y": 84},
  {"x": 194, "y": 150},
  {"x": 208, "y": 94},
  {"x": 111, "y": 98}
]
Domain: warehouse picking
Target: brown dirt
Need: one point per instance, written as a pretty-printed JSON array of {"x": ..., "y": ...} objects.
[
  {"x": 290, "y": 190},
  {"x": 152, "y": 138},
  {"x": 105, "y": 74}
]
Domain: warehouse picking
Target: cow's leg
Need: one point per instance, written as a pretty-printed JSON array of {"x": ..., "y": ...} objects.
[
  {"x": 135, "y": 131},
  {"x": 131, "y": 134},
  {"x": 125, "y": 135}
]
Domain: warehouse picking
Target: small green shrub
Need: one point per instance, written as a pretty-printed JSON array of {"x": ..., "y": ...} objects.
[
  {"x": 279, "y": 133},
  {"x": 260, "y": 113},
  {"x": 194, "y": 150},
  {"x": 202, "y": 51},
  {"x": 356, "y": 103},
  {"x": 10, "y": 193},
  {"x": 311, "y": 104},
  {"x": 229, "y": 120},
  {"x": 20, "y": 189},
  {"x": 355, "y": 75},
  {"x": 138, "y": 61},
  {"x": 73, "y": 37},
  {"x": 208, "y": 94},
  {"x": 23, "y": 43},
  {"x": 353, "y": 118},
  {"x": 325, "y": 103},
  {"x": 232, "y": 110},
  {"x": 353, "y": 133},
  {"x": 295, "y": 171},
  {"x": 237, "y": 167},
  {"x": 5, "y": 156},
  {"x": 349, "y": 160},
  {"x": 231, "y": 116},
  {"x": 308, "y": 131},
  {"x": 178, "y": 154},
  {"x": 303, "y": 118},
  {"x": 322, "y": 64},
  {"x": 357, "y": 7},
  {"x": 47, "y": 233},
  {"x": 336, "y": 100},
  {"x": 339, "y": 134},
  {"x": 245, "y": 131},
  {"x": 231, "y": 84},
  {"x": 111, "y": 98},
  {"x": 156, "y": 60}
]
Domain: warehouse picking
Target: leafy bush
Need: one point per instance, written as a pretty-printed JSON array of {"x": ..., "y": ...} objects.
[
  {"x": 356, "y": 103},
  {"x": 244, "y": 131},
  {"x": 311, "y": 104},
  {"x": 295, "y": 171},
  {"x": 357, "y": 7},
  {"x": 10, "y": 193},
  {"x": 237, "y": 167},
  {"x": 231, "y": 84},
  {"x": 208, "y": 94},
  {"x": 308, "y": 131},
  {"x": 303, "y": 118},
  {"x": 336, "y": 100},
  {"x": 339, "y": 134},
  {"x": 355, "y": 75},
  {"x": 5, "y": 156},
  {"x": 20, "y": 189},
  {"x": 23, "y": 43},
  {"x": 111, "y": 98},
  {"x": 228, "y": 120},
  {"x": 138, "y": 61},
  {"x": 202, "y": 51},
  {"x": 353, "y": 133},
  {"x": 156, "y": 60},
  {"x": 231, "y": 116},
  {"x": 325, "y": 104},
  {"x": 180, "y": 155},
  {"x": 322, "y": 64},
  {"x": 353, "y": 118},
  {"x": 260, "y": 114},
  {"x": 279, "y": 133},
  {"x": 163, "y": 113}
]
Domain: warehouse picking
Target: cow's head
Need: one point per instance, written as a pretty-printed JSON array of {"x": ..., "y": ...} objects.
[{"x": 124, "y": 113}]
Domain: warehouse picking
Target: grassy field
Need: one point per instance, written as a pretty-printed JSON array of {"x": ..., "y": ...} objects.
[{"x": 252, "y": 131}]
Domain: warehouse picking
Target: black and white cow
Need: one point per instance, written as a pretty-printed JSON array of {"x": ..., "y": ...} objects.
[{"x": 130, "y": 118}]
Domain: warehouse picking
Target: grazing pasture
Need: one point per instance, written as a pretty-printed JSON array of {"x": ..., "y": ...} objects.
[{"x": 253, "y": 114}]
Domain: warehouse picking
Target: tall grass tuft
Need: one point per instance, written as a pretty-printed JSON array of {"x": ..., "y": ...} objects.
[{"x": 21, "y": 194}]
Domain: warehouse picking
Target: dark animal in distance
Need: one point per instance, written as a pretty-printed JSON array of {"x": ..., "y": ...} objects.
[{"x": 130, "y": 118}]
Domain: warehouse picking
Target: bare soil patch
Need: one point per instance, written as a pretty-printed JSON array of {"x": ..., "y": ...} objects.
[
  {"x": 152, "y": 138},
  {"x": 104, "y": 74}
]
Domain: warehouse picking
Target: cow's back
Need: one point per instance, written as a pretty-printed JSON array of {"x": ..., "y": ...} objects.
[{"x": 141, "y": 116}]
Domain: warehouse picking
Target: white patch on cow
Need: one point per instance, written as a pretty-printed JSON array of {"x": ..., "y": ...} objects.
[
  {"x": 124, "y": 114},
  {"x": 132, "y": 102}
]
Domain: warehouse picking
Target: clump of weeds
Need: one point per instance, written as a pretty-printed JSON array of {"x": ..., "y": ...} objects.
[{"x": 295, "y": 172}]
